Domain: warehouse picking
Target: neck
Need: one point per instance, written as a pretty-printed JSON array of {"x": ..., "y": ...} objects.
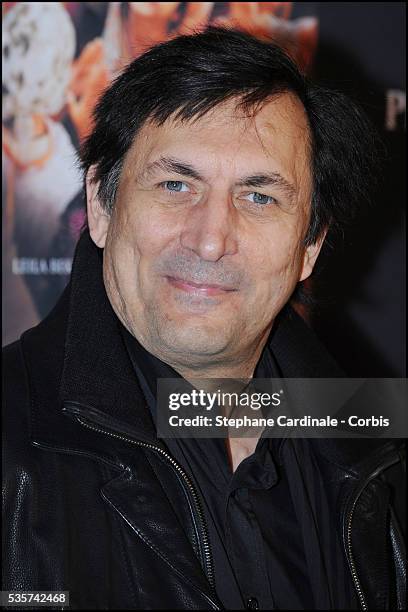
[{"x": 235, "y": 367}]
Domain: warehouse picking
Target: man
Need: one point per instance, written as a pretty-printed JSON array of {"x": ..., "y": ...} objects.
[{"x": 213, "y": 173}]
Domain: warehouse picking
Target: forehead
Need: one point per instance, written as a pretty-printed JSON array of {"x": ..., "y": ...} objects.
[{"x": 227, "y": 140}]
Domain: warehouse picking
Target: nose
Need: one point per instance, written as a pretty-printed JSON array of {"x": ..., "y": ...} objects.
[{"x": 209, "y": 229}]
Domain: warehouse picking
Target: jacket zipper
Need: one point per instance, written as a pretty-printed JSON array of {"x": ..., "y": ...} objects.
[
  {"x": 207, "y": 561},
  {"x": 204, "y": 544},
  {"x": 356, "y": 580},
  {"x": 354, "y": 575}
]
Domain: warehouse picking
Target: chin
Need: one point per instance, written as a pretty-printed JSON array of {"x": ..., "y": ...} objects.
[{"x": 191, "y": 339}]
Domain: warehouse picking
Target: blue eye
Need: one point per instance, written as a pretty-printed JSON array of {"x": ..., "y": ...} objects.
[
  {"x": 175, "y": 186},
  {"x": 260, "y": 198}
]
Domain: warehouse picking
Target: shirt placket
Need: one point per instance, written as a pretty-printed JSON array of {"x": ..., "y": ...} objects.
[{"x": 245, "y": 546}]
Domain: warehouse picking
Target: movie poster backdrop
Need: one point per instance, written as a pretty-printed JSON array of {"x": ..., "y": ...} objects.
[{"x": 59, "y": 56}]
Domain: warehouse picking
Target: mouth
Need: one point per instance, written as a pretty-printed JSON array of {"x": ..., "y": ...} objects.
[{"x": 198, "y": 289}]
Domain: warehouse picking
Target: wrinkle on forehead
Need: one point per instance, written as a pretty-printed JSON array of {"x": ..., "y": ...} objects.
[
  {"x": 280, "y": 127},
  {"x": 284, "y": 119}
]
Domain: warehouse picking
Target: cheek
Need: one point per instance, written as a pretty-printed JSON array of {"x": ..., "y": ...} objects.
[
  {"x": 275, "y": 264},
  {"x": 138, "y": 229},
  {"x": 153, "y": 223},
  {"x": 139, "y": 237}
]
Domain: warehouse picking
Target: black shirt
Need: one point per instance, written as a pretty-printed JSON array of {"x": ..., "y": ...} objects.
[{"x": 268, "y": 552}]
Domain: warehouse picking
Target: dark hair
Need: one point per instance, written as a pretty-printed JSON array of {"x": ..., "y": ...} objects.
[{"x": 190, "y": 74}]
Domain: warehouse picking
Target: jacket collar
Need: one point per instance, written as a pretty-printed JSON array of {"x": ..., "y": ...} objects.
[{"x": 83, "y": 361}]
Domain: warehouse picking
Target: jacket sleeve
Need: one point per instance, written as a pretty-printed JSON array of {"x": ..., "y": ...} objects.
[
  {"x": 395, "y": 477},
  {"x": 19, "y": 473}
]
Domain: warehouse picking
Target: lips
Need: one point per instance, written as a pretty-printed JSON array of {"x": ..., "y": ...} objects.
[{"x": 198, "y": 288}]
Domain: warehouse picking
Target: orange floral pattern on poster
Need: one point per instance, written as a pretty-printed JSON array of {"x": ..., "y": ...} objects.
[{"x": 54, "y": 72}]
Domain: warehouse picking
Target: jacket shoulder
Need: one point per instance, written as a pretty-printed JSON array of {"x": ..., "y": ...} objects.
[
  {"x": 15, "y": 382},
  {"x": 13, "y": 364},
  {"x": 15, "y": 410},
  {"x": 298, "y": 350},
  {"x": 29, "y": 492}
]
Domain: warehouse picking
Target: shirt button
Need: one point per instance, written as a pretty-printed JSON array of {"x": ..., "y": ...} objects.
[{"x": 252, "y": 604}]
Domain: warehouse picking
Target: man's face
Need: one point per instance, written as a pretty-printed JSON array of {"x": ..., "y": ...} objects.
[{"x": 205, "y": 243}]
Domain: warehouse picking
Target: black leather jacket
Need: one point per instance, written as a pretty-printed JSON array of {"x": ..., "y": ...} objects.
[{"x": 95, "y": 505}]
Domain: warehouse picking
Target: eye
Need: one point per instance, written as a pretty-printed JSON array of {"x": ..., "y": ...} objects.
[
  {"x": 176, "y": 186},
  {"x": 260, "y": 198}
]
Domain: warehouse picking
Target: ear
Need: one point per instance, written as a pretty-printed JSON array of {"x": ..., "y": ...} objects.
[
  {"x": 98, "y": 218},
  {"x": 310, "y": 256}
]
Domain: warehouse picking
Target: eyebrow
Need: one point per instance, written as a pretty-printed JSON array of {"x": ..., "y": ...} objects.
[
  {"x": 169, "y": 164},
  {"x": 266, "y": 179}
]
